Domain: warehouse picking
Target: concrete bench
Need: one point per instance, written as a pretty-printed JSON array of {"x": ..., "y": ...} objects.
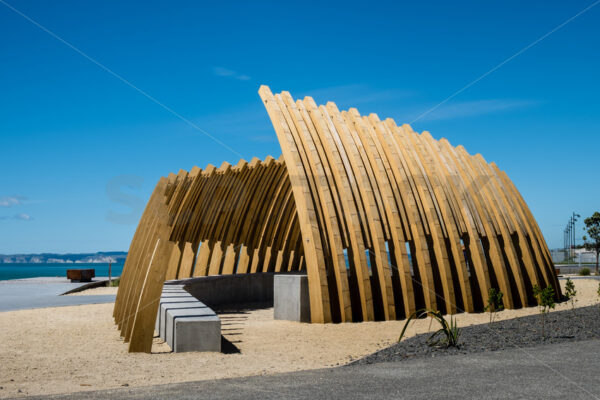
[
  {"x": 193, "y": 329},
  {"x": 185, "y": 323},
  {"x": 174, "y": 294},
  {"x": 166, "y": 303}
]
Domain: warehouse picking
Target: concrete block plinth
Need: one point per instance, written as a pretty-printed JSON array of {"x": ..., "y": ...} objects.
[
  {"x": 165, "y": 307},
  {"x": 193, "y": 329},
  {"x": 290, "y": 297},
  {"x": 169, "y": 296},
  {"x": 197, "y": 334}
]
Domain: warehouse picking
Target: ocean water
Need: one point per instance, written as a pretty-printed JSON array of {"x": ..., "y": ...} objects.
[{"x": 21, "y": 271}]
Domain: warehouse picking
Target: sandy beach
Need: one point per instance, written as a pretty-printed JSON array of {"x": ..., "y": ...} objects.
[
  {"x": 96, "y": 291},
  {"x": 70, "y": 349}
]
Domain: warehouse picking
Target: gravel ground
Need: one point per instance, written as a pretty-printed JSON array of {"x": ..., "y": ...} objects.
[{"x": 564, "y": 326}]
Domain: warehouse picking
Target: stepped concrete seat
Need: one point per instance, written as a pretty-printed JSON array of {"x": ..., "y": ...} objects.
[
  {"x": 169, "y": 297},
  {"x": 165, "y": 307},
  {"x": 185, "y": 323},
  {"x": 193, "y": 329}
]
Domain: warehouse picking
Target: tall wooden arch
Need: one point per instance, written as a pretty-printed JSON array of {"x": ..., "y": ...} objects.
[{"x": 384, "y": 221}]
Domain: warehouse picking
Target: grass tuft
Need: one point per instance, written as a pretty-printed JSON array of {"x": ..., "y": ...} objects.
[{"x": 447, "y": 335}]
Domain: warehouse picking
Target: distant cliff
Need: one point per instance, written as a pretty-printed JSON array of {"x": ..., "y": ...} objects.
[{"x": 52, "y": 258}]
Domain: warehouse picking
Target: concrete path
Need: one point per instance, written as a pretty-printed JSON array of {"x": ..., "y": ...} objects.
[
  {"x": 578, "y": 277},
  {"x": 21, "y": 294},
  {"x": 545, "y": 372}
]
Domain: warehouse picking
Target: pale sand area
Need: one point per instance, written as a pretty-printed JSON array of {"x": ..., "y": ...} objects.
[
  {"x": 69, "y": 349},
  {"x": 96, "y": 291}
]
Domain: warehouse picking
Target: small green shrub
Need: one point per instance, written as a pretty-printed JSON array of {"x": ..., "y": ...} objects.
[
  {"x": 494, "y": 303},
  {"x": 585, "y": 271},
  {"x": 545, "y": 299},
  {"x": 570, "y": 292},
  {"x": 450, "y": 332},
  {"x": 114, "y": 282}
]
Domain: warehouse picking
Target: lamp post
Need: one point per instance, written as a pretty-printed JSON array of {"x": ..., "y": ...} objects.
[
  {"x": 568, "y": 238},
  {"x": 574, "y": 219},
  {"x": 571, "y": 239},
  {"x": 565, "y": 243}
]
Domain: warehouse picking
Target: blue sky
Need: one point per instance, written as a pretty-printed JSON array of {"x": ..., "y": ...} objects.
[{"x": 81, "y": 151}]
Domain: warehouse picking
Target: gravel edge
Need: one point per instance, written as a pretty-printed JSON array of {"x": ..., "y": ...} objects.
[{"x": 561, "y": 326}]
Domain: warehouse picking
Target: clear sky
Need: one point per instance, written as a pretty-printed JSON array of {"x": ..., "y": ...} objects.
[{"x": 80, "y": 150}]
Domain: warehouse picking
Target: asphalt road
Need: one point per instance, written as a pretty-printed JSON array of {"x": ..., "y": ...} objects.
[{"x": 545, "y": 372}]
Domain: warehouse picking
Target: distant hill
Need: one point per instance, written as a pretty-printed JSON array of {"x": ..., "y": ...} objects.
[{"x": 53, "y": 258}]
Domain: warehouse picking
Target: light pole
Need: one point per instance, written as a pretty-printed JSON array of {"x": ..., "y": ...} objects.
[
  {"x": 565, "y": 243},
  {"x": 574, "y": 219},
  {"x": 568, "y": 238}
]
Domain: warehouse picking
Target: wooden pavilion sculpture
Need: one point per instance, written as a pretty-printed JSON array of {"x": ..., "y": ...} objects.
[{"x": 383, "y": 220}]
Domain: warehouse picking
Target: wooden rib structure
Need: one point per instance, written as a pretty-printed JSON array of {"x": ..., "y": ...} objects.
[{"x": 384, "y": 221}]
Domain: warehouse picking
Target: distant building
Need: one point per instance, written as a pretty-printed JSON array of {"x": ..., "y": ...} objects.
[
  {"x": 578, "y": 255},
  {"x": 585, "y": 256},
  {"x": 558, "y": 255}
]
